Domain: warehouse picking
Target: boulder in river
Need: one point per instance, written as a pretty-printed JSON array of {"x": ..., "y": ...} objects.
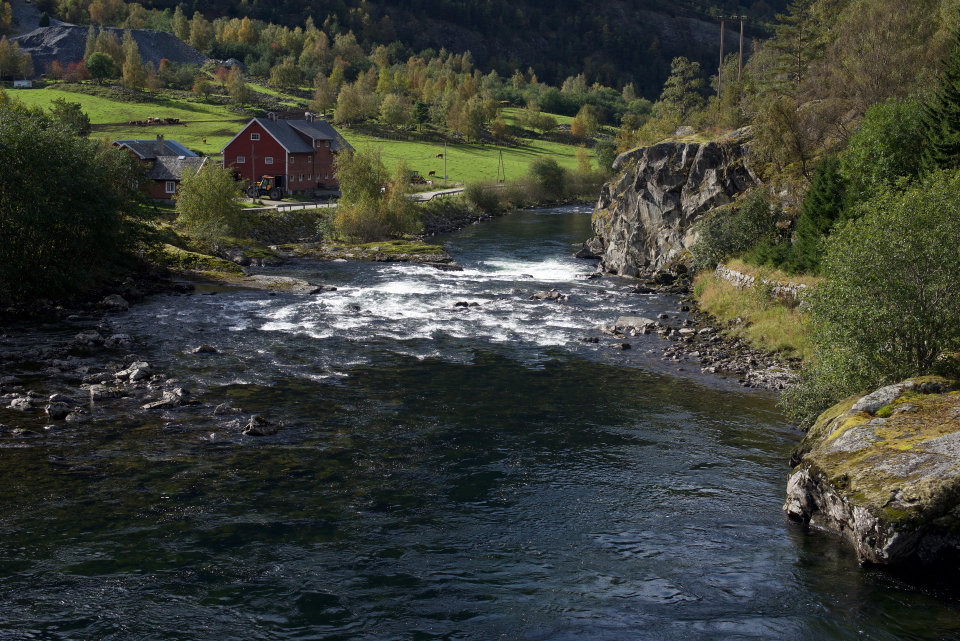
[
  {"x": 205, "y": 349},
  {"x": 260, "y": 426},
  {"x": 116, "y": 303},
  {"x": 883, "y": 471},
  {"x": 57, "y": 411}
]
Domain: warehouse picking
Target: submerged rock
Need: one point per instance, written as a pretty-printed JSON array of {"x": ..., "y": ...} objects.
[
  {"x": 883, "y": 471},
  {"x": 260, "y": 426},
  {"x": 205, "y": 349},
  {"x": 116, "y": 303}
]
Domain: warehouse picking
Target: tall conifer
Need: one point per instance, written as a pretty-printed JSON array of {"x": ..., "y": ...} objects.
[
  {"x": 823, "y": 206},
  {"x": 91, "y": 42},
  {"x": 941, "y": 116}
]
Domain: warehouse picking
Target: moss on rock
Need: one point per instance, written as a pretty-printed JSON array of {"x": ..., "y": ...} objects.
[
  {"x": 176, "y": 258},
  {"x": 883, "y": 470}
]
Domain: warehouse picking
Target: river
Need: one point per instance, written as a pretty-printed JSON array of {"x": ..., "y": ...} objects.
[{"x": 442, "y": 473}]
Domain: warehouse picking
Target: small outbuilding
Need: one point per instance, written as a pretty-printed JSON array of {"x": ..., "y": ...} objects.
[{"x": 169, "y": 162}]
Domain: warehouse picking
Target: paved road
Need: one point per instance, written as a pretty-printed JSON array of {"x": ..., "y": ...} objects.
[{"x": 286, "y": 205}]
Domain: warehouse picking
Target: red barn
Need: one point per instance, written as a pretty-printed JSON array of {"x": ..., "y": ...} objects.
[{"x": 301, "y": 151}]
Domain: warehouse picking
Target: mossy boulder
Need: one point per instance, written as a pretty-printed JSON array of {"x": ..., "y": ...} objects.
[
  {"x": 176, "y": 258},
  {"x": 883, "y": 471}
]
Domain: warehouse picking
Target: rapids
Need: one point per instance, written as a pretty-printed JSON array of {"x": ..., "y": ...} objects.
[{"x": 442, "y": 473}]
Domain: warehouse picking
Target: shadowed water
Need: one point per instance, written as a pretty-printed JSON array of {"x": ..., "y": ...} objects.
[{"x": 441, "y": 474}]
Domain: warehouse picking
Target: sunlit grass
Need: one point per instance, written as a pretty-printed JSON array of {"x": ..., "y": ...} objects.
[{"x": 770, "y": 324}]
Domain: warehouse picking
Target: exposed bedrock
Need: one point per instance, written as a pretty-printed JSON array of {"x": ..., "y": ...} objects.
[
  {"x": 883, "y": 471},
  {"x": 644, "y": 218}
]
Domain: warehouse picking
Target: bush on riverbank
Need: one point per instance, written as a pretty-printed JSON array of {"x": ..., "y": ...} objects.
[
  {"x": 888, "y": 306},
  {"x": 374, "y": 204},
  {"x": 70, "y": 208}
]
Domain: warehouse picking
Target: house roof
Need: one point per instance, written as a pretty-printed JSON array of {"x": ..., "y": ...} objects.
[
  {"x": 286, "y": 133},
  {"x": 147, "y": 149},
  {"x": 174, "y": 167},
  {"x": 321, "y": 130}
]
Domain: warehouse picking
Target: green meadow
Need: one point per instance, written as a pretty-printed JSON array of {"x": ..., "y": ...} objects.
[
  {"x": 465, "y": 163},
  {"x": 208, "y": 127},
  {"x": 111, "y": 118}
]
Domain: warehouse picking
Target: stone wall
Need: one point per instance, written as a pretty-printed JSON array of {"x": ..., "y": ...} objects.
[
  {"x": 745, "y": 281},
  {"x": 279, "y": 227}
]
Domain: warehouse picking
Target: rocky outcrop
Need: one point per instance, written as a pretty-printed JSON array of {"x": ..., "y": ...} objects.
[
  {"x": 67, "y": 44},
  {"x": 883, "y": 471},
  {"x": 644, "y": 219}
]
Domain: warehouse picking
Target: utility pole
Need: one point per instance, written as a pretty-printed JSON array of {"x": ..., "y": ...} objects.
[
  {"x": 740, "y": 70},
  {"x": 444, "y": 164},
  {"x": 720, "y": 70}
]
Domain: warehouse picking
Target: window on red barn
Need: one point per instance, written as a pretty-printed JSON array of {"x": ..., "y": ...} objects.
[
  {"x": 268, "y": 160},
  {"x": 254, "y": 136},
  {"x": 241, "y": 160},
  {"x": 171, "y": 187}
]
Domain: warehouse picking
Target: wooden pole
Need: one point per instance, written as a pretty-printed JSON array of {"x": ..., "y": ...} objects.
[
  {"x": 740, "y": 69},
  {"x": 444, "y": 164},
  {"x": 720, "y": 71}
]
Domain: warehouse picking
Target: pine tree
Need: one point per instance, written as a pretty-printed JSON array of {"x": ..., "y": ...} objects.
[
  {"x": 823, "y": 206},
  {"x": 134, "y": 75},
  {"x": 798, "y": 43},
  {"x": 941, "y": 116},
  {"x": 91, "y": 42}
]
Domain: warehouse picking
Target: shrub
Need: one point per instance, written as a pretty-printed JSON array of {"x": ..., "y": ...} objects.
[
  {"x": 888, "y": 306},
  {"x": 734, "y": 230},
  {"x": 483, "y": 196},
  {"x": 887, "y": 146},
  {"x": 548, "y": 178},
  {"x": 374, "y": 205},
  {"x": 209, "y": 204},
  {"x": 69, "y": 207}
]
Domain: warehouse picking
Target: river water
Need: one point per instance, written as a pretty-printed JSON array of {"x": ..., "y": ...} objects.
[{"x": 442, "y": 473}]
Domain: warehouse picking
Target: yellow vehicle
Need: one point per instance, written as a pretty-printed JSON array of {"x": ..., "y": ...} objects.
[
  {"x": 270, "y": 187},
  {"x": 417, "y": 179}
]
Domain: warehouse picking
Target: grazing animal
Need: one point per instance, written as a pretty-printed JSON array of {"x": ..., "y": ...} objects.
[
  {"x": 439, "y": 155},
  {"x": 204, "y": 140},
  {"x": 431, "y": 173}
]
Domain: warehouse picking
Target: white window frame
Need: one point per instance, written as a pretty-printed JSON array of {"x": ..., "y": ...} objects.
[
  {"x": 301, "y": 177},
  {"x": 326, "y": 176},
  {"x": 254, "y": 136},
  {"x": 293, "y": 159},
  {"x": 171, "y": 187},
  {"x": 241, "y": 160},
  {"x": 268, "y": 160},
  {"x": 328, "y": 144},
  {"x": 309, "y": 177}
]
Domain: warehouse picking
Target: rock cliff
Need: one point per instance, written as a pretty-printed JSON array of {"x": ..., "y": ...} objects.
[
  {"x": 883, "y": 471},
  {"x": 644, "y": 218}
]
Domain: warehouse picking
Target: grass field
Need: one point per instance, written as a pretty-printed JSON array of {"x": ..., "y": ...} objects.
[
  {"x": 217, "y": 124},
  {"x": 110, "y": 118},
  {"x": 464, "y": 162}
]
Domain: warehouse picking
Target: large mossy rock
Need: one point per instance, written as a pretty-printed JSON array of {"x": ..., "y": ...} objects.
[
  {"x": 644, "y": 218},
  {"x": 883, "y": 471}
]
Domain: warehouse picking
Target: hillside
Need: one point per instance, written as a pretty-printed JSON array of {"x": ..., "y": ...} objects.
[
  {"x": 66, "y": 44},
  {"x": 611, "y": 42}
]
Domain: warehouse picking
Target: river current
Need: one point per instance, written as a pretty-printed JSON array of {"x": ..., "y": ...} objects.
[{"x": 442, "y": 473}]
